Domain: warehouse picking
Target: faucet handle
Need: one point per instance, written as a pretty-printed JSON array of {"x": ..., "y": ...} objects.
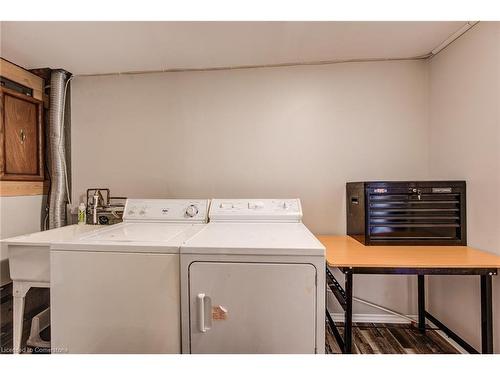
[{"x": 96, "y": 197}]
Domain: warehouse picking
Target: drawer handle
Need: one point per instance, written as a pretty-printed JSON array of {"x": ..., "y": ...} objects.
[{"x": 22, "y": 136}]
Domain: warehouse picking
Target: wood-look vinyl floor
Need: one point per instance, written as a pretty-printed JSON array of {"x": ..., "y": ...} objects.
[
  {"x": 369, "y": 338},
  {"x": 378, "y": 338},
  {"x": 372, "y": 338}
]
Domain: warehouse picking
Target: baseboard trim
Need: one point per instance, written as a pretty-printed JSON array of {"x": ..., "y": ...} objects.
[{"x": 374, "y": 318}]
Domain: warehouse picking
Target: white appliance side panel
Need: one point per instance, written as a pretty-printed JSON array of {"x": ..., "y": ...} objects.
[
  {"x": 252, "y": 307},
  {"x": 115, "y": 302}
]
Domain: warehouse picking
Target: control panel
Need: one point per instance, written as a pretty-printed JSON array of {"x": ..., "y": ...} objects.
[
  {"x": 166, "y": 210},
  {"x": 256, "y": 210}
]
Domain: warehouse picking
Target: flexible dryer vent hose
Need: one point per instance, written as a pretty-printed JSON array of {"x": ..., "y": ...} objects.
[{"x": 57, "y": 151}]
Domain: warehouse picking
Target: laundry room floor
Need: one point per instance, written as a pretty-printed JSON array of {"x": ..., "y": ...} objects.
[
  {"x": 37, "y": 300},
  {"x": 382, "y": 338}
]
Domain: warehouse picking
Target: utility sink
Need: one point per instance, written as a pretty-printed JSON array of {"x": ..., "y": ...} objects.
[
  {"x": 29, "y": 255},
  {"x": 29, "y": 263}
]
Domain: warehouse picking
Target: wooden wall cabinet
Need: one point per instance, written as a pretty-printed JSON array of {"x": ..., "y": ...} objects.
[
  {"x": 21, "y": 132},
  {"x": 21, "y": 137}
]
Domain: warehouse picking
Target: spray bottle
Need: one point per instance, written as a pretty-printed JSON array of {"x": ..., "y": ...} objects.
[{"x": 82, "y": 213}]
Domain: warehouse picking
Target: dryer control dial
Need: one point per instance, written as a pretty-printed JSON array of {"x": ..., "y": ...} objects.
[{"x": 191, "y": 211}]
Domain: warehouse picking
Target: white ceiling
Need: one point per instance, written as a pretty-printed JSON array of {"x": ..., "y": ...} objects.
[{"x": 105, "y": 47}]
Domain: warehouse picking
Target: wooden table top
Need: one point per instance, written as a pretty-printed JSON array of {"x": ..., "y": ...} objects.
[{"x": 344, "y": 251}]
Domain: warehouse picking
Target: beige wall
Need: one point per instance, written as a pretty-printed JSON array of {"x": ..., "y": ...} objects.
[
  {"x": 282, "y": 132},
  {"x": 18, "y": 215},
  {"x": 465, "y": 144}
]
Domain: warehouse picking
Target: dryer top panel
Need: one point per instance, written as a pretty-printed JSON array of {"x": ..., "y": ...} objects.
[
  {"x": 256, "y": 210},
  {"x": 166, "y": 210},
  {"x": 254, "y": 239}
]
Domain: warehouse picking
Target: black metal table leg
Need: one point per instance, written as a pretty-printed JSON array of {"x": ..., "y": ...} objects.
[
  {"x": 421, "y": 303},
  {"x": 486, "y": 315},
  {"x": 345, "y": 299},
  {"x": 348, "y": 313}
]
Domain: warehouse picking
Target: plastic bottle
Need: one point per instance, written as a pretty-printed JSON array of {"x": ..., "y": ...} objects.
[{"x": 82, "y": 214}]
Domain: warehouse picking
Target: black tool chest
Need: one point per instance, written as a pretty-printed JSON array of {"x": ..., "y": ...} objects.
[{"x": 407, "y": 212}]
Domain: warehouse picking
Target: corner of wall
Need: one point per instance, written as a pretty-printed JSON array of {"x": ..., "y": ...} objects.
[{"x": 428, "y": 109}]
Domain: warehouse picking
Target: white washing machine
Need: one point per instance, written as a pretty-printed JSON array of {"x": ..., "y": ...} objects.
[
  {"x": 253, "y": 281},
  {"x": 117, "y": 291}
]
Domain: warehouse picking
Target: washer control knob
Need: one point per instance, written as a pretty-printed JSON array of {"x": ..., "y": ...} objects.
[
  {"x": 191, "y": 211},
  {"x": 255, "y": 205}
]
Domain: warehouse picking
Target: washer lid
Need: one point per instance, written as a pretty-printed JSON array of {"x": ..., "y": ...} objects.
[
  {"x": 138, "y": 232},
  {"x": 254, "y": 238},
  {"x": 134, "y": 237}
]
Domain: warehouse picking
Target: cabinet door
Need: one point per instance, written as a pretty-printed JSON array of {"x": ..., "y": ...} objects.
[
  {"x": 252, "y": 307},
  {"x": 22, "y": 138}
]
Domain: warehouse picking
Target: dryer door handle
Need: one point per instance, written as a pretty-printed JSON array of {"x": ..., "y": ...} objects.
[{"x": 202, "y": 301}]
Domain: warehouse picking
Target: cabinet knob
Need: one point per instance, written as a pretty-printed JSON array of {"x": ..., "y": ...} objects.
[{"x": 22, "y": 136}]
